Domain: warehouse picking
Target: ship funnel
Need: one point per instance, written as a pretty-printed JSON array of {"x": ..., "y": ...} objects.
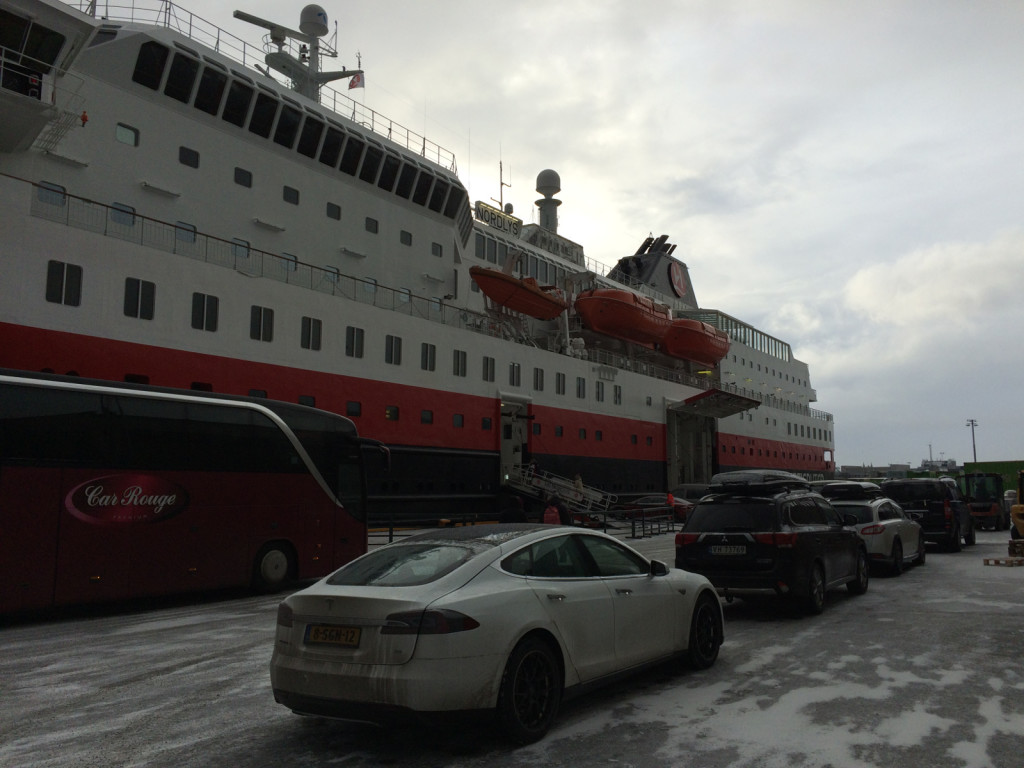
[
  {"x": 313, "y": 21},
  {"x": 548, "y": 184}
]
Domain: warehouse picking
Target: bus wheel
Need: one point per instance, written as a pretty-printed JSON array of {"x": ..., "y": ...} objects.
[{"x": 273, "y": 566}]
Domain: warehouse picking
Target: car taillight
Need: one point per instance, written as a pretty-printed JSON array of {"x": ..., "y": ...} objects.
[
  {"x": 682, "y": 539},
  {"x": 284, "y": 615},
  {"x": 947, "y": 510},
  {"x": 441, "y": 622},
  {"x": 785, "y": 540},
  {"x": 872, "y": 530}
]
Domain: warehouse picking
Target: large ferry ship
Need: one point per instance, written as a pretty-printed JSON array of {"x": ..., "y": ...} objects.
[{"x": 180, "y": 208}]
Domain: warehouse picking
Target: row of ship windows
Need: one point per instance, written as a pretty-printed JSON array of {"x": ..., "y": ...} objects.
[
  {"x": 779, "y": 374},
  {"x": 237, "y": 102},
  {"x": 530, "y": 265},
  {"x": 125, "y": 216},
  {"x": 64, "y": 286},
  {"x": 767, "y": 454}
]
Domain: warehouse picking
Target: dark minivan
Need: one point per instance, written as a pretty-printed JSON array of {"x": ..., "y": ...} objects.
[
  {"x": 772, "y": 537},
  {"x": 938, "y": 506}
]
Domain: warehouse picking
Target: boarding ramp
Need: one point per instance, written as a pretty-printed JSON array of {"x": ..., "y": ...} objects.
[{"x": 527, "y": 480}]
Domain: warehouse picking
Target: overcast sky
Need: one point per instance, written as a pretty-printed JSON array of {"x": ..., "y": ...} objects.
[{"x": 844, "y": 175}]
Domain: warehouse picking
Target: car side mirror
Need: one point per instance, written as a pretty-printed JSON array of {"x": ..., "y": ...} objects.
[{"x": 658, "y": 568}]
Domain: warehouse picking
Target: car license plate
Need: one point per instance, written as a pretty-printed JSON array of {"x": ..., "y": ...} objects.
[
  {"x": 329, "y": 634},
  {"x": 728, "y": 549}
]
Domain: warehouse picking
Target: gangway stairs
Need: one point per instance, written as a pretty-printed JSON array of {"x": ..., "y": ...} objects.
[{"x": 579, "y": 499}]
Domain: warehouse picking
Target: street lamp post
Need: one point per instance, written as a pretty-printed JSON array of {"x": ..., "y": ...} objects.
[{"x": 972, "y": 423}]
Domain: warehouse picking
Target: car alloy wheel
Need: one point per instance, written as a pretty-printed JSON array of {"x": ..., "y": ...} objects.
[
  {"x": 531, "y": 690},
  {"x": 705, "y": 633},
  {"x": 860, "y": 584},
  {"x": 896, "y": 566},
  {"x": 815, "y": 599}
]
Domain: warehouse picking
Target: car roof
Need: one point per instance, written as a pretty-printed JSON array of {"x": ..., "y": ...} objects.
[
  {"x": 757, "y": 483},
  {"x": 848, "y": 489}
]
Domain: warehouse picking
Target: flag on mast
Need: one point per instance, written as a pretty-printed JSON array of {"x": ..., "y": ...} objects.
[{"x": 357, "y": 81}]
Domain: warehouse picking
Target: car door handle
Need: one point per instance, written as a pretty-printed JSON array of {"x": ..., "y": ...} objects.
[
  {"x": 623, "y": 591},
  {"x": 559, "y": 598}
]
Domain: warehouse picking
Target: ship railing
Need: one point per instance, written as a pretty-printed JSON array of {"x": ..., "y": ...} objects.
[
  {"x": 52, "y": 202},
  {"x": 167, "y": 14}
]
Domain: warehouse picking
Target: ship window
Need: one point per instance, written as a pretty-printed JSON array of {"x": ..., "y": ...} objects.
[
  {"x": 559, "y": 383},
  {"x": 291, "y": 195},
  {"x": 426, "y": 417},
  {"x": 263, "y": 115},
  {"x": 599, "y": 391},
  {"x": 405, "y": 181},
  {"x": 582, "y": 433},
  {"x": 389, "y": 172},
  {"x": 204, "y": 312},
  {"x": 455, "y": 201},
  {"x": 236, "y": 108},
  {"x": 581, "y": 387},
  {"x": 63, "y": 283},
  {"x": 353, "y": 341},
  {"x": 538, "y": 379},
  {"x": 438, "y": 196},
  {"x": 480, "y": 249},
  {"x": 428, "y": 357},
  {"x": 184, "y": 233},
  {"x": 333, "y": 211},
  {"x": 309, "y": 139},
  {"x": 331, "y": 150},
  {"x": 372, "y": 225},
  {"x": 391, "y": 412},
  {"x": 307, "y": 400},
  {"x": 393, "y": 350},
  {"x": 485, "y": 423},
  {"x": 350, "y": 157},
  {"x": 536, "y": 428},
  {"x": 291, "y": 262},
  {"x": 261, "y": 323},
  {"x": 353, "y": 408},
  {"x": 188, "y": 157},
  {"x": 139, "y": 298},
  {"x": 405, "y": 237},
  {"x": 38, "y": 45},
  {"x": 488, "y": 370},
  {"x": 311, "y": 330},
  {"x": 617, "y": 394},
  {"x": 126, "y": 134},
  {"x": 559, "y": 431},
  {"x": 51, "y": 194},
  {"x": 650, "y": 440},
  {"x": 371, "y": 163},
  {"x": 459, "y": 363},
  {"x": 287, "y": 126},
  {"x": 515, "y": 373},
  {"x": 243, "y": 177},
  {"x": 257, "y": 393},
  {"x": 122, "y": 214},
  {"x": 598, "y": 435},
  {"x": 149, "y": 65},
  {"x": 633, "y": 441},
  {"x": 181, "y": 77},
  {"x": 211, "y": 89},
  {"x": 436, "y": 249},
  {"x": 422, "y": 188},
  {"x": 458, "y": 420}
]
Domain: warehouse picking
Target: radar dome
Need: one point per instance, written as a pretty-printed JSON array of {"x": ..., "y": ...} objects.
[
  {"x": 313, "y": 21},
  {"x": 548, "y": 183}
]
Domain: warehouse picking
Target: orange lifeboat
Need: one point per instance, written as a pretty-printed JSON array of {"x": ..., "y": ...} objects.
[
  {"x": 524, "y": 295},
  {"x": 624, "y": 315},
  {"x": 693, "y": 340}
]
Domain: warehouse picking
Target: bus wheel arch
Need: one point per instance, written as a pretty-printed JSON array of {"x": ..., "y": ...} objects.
[{"x": 273, "y": 566}]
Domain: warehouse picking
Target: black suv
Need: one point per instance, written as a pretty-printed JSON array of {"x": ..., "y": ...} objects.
[
  {"x": 938, "y": 506},
  {"x": 759, "y": 534}
]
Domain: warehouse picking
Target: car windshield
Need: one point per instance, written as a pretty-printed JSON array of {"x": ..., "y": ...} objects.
[
  {"x": 861, "y": 511},
  {"x": 402, "y": 565},
  {"x": 726, "y": 516}
]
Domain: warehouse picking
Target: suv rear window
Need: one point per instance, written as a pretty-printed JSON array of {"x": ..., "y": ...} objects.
[
  {"x": 744, "y": 515},
  {"x": 902, "y": 492}
]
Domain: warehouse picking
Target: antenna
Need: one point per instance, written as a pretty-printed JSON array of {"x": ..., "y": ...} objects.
[
  {"x": 303, "y": 71},
  {"x": 501, "y": 187}
]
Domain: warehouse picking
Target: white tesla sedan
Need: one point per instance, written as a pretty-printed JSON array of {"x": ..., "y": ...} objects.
[{"x": 506, "y": 618}]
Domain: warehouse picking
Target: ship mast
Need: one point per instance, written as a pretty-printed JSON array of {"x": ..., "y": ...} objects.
[{"x": 304, "y": 71}]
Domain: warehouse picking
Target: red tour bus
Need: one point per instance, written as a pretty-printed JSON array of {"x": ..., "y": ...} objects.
[{"x": 114, "y": 491}]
